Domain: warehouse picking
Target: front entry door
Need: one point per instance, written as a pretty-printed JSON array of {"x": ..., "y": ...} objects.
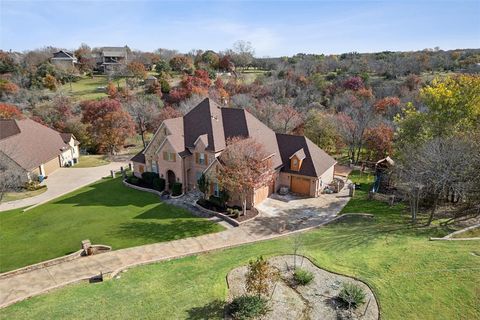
[{"x": 170, "y": 179}]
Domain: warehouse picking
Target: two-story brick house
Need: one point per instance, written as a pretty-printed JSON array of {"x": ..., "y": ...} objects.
[{"x": 185, "y": 147}]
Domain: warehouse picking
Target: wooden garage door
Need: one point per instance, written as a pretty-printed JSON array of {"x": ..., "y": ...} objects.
[
  {"x": 300, "y": 185},
  {"x": 261, "y": 194}
]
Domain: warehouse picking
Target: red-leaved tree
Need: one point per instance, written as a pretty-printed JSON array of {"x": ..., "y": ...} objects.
[
  {"x": 245, "y": 165},
  {"x": 379, "y": 141},
  {"x": 108, "y": 124}
]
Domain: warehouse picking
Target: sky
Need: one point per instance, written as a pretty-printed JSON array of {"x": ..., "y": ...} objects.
[{"x": 274, "y": 28}]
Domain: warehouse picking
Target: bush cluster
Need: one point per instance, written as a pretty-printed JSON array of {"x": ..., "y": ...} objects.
[
  {"x": 177, "y": 189},
  {"x": 248, "y": 307},
  {"x": 302, "y": 276},
  {"x": 351, "y": 295}
]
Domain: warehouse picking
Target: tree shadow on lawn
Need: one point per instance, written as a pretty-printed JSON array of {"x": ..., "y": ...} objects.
[
  {"x": 358, "y": 231},
  {"x": 159, "y": 232},
  {"x": 166, "y": 211},
  {"x": 212, "y": 310},
  {"x": 109, "y": 193}
]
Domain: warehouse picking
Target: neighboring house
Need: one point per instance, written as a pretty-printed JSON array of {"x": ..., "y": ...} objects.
[
  {"x": 111, "y": 58},
  {"x": 35, "y": 148},
  {"x": 183, "y": 148},
  {"x": 64, "y": 59}
]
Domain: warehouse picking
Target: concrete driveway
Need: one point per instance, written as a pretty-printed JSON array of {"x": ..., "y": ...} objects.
[
  {"x": 62, "y": 181},
  {"x": 290, "y": 213}
]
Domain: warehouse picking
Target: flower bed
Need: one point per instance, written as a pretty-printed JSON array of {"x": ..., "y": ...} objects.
[{"x": 225, "y": 212}]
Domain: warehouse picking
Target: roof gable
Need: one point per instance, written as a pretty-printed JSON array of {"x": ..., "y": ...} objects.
[
  {"x": 315, "y": 162},
  {"x": 34, "y": 145},
  {"x": 205, "y": 118},
  {"x": 62, "y": 54},
  {"x": 8, "y": 128}
]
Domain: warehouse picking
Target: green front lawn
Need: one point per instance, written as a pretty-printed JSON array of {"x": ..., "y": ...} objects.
[
  {"x": 413, "y": 278},
  {"x": 93, "y": 160},
  {"x": 105, "y": 212}
]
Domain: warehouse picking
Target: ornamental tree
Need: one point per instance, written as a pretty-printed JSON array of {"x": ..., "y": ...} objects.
[
  {"x": 245, "y": 165},
  {"x": 260, "y": 277}
]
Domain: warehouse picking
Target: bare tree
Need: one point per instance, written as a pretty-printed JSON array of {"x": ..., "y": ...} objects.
[
  {"x": 448, "y": 170},
  {"x": 144, "y": 109}
]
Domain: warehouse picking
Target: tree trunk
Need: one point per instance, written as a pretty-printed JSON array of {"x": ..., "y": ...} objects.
[
  {"x": 244, "y": 204},
  {"x": 142, "y": 133},
  {"x": 432, "y": 212}
]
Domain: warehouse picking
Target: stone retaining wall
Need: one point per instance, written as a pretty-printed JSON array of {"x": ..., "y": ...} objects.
[{"x": 48, "y": 263}]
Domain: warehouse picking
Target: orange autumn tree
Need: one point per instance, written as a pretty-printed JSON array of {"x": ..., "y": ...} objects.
[
  {"x": 9, "y": 111},
  {"x": 107, "y": 124},
  {"x": 245, "y": 165}
]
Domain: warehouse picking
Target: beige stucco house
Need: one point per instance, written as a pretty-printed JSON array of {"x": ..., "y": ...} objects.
[
  {"x": 34, "y": 148},
  {"x": 184, "y": 148}
]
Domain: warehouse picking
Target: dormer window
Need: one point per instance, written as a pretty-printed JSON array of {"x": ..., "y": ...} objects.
[{"x": 296, "y": 160}]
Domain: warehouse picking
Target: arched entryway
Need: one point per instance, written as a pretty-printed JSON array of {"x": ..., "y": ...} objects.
[{"x": 170, "y": 178}]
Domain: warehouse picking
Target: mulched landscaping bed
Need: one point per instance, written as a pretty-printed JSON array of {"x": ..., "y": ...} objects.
[
  {"x": 209, "y": 206},
  {"x": 316, "y": 300}
]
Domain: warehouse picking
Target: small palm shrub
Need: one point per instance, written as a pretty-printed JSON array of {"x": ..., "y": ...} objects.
[
  {"x": 248, "y": 307},
  {"x": 233, "y": 212},
  {"x": 302, "y": 276},
  {"x": 351, "y": 295}
]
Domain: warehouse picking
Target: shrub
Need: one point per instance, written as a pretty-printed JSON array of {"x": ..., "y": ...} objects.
[
  {"x": 133, "y": 180},
  {"x": 233, "y": 212},
  {"x": 148, "y": 178},
  {"x": 217, "y": 202},
  {"x": 32, "y": 185},
  {"x": 351, "y": 295},
  {"x": 164, "y": 85},
  {"x": 177, "y": 189},
  {"x": 302, "y": 276},
  {"x": 158, "y": 184},
  {"x": 247, "y": 307}
]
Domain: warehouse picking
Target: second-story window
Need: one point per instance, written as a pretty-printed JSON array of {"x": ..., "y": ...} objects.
[
  {"x": 169, "y": 156},
  {"x": 201, "y": 158}
]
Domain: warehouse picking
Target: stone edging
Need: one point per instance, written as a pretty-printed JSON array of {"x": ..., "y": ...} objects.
[
  {"x": 158, "y": 193},
  {"x": 48, "y": 263},
  {"x": 43, "y": 264},
  {"x": 449, "y": 237},
  {"x": 125, "y": 183},
  {"x": 231, "y": 221},
  {"x": 176, "y": 197},
  {"x": 222, "y": 216}
]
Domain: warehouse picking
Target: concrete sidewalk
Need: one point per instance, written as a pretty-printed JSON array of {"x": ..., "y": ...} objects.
[
  {"x": 65, "y": 180},
  {"x": 19, "y": 287}
]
